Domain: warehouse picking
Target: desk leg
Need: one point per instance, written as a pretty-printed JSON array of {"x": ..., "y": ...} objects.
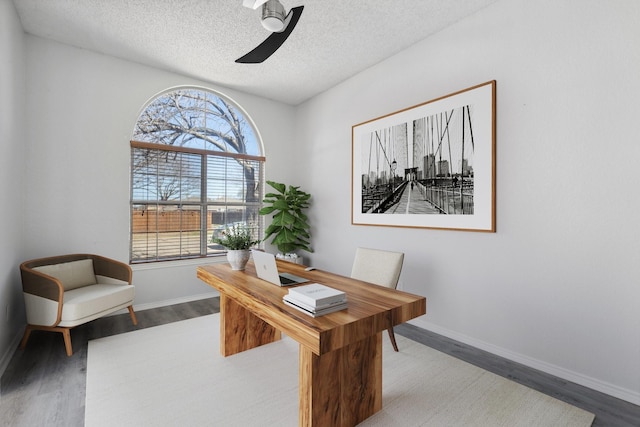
[
  {"x": 241, "y": 330},
  {"x": 343, "y": 387}
]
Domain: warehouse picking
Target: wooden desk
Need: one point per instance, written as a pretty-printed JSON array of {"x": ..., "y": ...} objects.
[{"x": 340, "y": 362}]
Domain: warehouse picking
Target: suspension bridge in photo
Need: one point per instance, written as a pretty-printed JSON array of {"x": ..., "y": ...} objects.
[
  {"x": 416, "y": 197},
  {"x": 424, "y": 166}
]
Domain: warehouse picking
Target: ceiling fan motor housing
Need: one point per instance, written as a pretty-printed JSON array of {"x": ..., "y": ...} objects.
[{"x": 273, "y": 16}]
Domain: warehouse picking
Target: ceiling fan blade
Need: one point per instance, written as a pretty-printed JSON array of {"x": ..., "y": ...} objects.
[{"x": 274, "y": 41}]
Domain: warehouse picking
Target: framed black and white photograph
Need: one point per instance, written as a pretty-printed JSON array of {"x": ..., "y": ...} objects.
[{"x": 431, "y": 165}]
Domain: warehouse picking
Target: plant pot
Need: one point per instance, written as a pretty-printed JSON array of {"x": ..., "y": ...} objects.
[
  {"x": 290, "y": 257},
  {"x": 238, "y": 258}
]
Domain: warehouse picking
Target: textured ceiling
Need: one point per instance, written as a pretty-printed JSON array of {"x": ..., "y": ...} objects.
[{"x": 334, "y": 39}]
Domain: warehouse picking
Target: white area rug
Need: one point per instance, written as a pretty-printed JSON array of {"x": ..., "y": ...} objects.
[{"x": 173, "y": 375}]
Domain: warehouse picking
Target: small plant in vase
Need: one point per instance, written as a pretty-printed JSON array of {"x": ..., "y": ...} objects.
[
  {"x": 237, "y": 239},
  {"x": 289, "y": 226}
]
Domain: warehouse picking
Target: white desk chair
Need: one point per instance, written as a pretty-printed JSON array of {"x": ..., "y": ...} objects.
[{"x": 380, "y": 268}]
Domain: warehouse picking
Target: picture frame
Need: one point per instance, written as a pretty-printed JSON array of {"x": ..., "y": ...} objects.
[{"x": 428, "y": 166}]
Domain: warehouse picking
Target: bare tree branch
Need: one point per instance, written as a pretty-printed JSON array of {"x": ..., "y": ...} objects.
[{"x": 197, "y": 119}]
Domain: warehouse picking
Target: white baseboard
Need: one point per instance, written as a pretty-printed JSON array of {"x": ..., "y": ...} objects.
[{"x": 566, "y": 374}]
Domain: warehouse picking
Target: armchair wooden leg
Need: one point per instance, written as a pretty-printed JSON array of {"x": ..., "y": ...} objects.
[
  {"x": 66, "y": 334},
  {"x": 392, "y": 337},
  {"x": 25, "y": 337},
  {"x": 133, "y": 315}
]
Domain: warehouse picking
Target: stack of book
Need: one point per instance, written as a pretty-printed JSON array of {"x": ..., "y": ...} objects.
[{"x": 316, "y": 299}]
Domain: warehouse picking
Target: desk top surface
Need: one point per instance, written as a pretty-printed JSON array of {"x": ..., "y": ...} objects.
[{"x": 371, "y": 308}]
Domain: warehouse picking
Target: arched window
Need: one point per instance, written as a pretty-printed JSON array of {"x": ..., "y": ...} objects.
[{"x": 196, "y": 168}]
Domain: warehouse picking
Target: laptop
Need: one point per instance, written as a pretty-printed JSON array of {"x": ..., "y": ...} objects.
[{"x": 267, "y": 269}]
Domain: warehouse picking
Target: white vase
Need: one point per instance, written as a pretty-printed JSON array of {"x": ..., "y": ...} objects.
[{"x": 238, "y": 258}]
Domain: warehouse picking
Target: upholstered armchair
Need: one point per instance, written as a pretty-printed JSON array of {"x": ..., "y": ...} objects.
[{"x": 65, "y": 291}]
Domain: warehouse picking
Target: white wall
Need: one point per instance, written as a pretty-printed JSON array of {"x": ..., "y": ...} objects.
[
  {"x": 557, "y": 286},
  {"x": 12, "y": 124},
  {"x": 83, "y": 107}
]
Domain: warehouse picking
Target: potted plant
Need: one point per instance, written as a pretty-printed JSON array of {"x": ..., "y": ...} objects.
[
  {"x": 289, "y": 226},
  {"x": 237, "y": 239}
]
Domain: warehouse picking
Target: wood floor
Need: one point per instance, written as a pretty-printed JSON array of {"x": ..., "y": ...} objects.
[{"x": 43, "y": 387}]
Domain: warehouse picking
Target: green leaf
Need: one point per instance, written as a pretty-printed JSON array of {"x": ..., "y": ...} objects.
[
  {"x": 266, "y": 210},
  {"x": 278, "y": 219},
  {"x": 270, "y": 230},
  {"x": 279, "y": 187},
  {"x": 281, "y": 205},
  {"x": 287, "y": 236},
  {"x": 287, "y": 218},
  {"x": 302, "y": 225}
]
